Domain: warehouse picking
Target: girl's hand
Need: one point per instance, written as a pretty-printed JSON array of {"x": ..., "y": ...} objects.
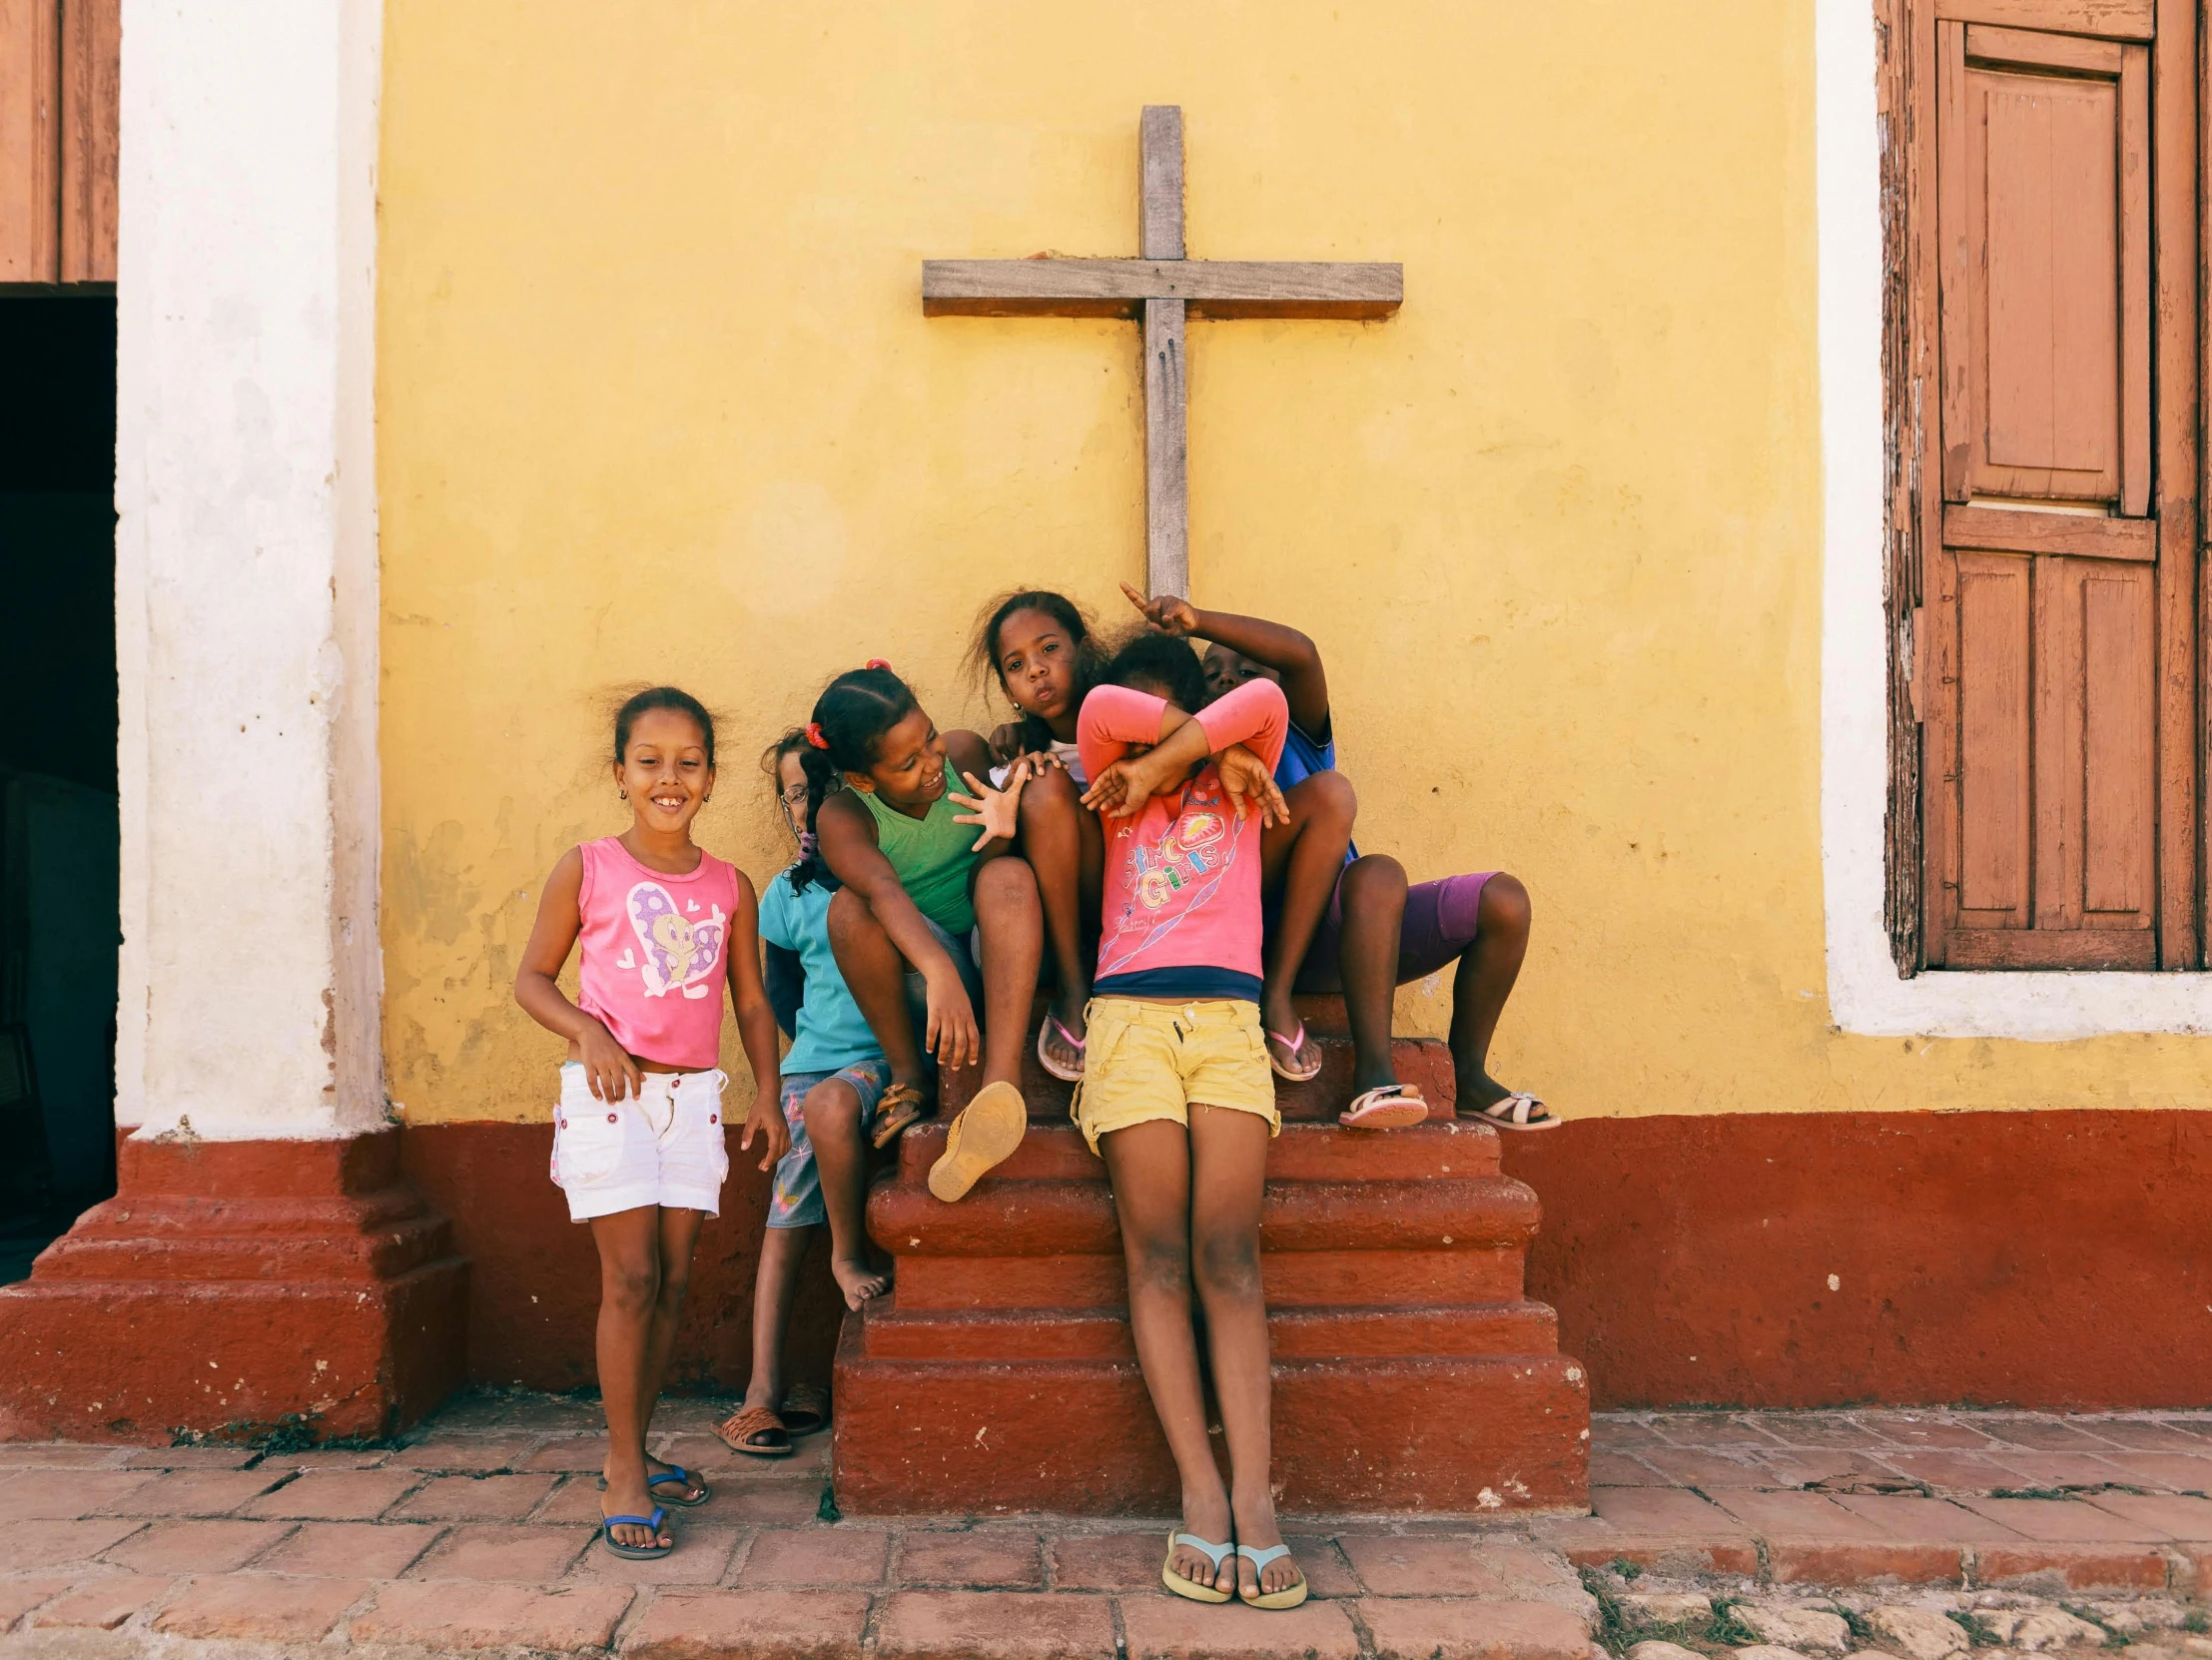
[
  {"x": 1122, "y": 788},
  {"x": 1248, "y": 779},
  {"x": 1167, "y": 614},
  {"x": 949, "y": 1033},
  {"x": 613, "y": 1076},
  {"x": 997, "y": 811},
  {"x": 1006, "y": 742},
  {"x": 767, "y": 1117}
]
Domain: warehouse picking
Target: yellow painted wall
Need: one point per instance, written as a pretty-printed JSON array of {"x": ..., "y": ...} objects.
[{"x": 657, "y": 401}]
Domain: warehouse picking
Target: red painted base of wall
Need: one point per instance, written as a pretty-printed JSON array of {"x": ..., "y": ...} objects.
[
  {"x": 231, "y": 1286},
  {"x": 2057, "y": 1260},
  {"x": 2052, "y": 1259},
  {"x": 533, "y": 1282}
]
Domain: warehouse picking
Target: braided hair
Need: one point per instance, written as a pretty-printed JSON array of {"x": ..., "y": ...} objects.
[
  {"x": 1037, "y": 736},
  {"x": 850, "y": 718}
]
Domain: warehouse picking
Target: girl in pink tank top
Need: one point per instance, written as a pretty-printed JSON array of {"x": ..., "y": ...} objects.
[{"x": 638, "y": 1147}]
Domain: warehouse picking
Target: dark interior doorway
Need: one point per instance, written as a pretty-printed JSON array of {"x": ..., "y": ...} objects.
[{"x": 59, "y": 924}]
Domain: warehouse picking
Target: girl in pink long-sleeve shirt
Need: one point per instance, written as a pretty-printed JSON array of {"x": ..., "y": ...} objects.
[{"x": 1176, "y": 1095}]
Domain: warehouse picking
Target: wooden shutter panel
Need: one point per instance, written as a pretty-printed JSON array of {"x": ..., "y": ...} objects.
[
  {"x": 59, "y": 72},
  {"x": 2041, "y": 789}
]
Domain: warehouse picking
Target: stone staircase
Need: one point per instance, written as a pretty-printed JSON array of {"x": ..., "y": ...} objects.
[{"x": 1411, "y": 1372}]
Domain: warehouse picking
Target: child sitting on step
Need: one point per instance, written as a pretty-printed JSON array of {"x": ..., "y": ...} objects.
[
  {"x": 930, "y": 912},
  {"x": 1177, "y": 1096},
  {"x": 638, "y": 1135},
  {"x": 833, "y": 1077},
  {"x": 1376, "y": 932},
  {"x": 1037, "y": 645}
]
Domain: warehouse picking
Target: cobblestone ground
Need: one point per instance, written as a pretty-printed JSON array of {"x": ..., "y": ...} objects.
[{"x": 1916, "y": 1536}]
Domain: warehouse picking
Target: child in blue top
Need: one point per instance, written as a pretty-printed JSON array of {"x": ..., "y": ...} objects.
[{"x": 833, "y": 1077}]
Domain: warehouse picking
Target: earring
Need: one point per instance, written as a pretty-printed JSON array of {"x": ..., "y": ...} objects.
[{"x": 624, "y": 794}]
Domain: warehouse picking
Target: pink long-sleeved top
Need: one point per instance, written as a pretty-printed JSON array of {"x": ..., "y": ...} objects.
[{"x": 1182, "y": 876}]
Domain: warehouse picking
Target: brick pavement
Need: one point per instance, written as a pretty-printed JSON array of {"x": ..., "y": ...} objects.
[{"x": 475, "y": 1535}]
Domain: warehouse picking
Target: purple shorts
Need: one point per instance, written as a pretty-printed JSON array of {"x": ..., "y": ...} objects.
[{"x": 1439, "y": 925}]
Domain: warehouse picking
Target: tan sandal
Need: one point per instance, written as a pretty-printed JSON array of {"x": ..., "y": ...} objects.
[
  {"x": 1519, "y": 1111},
  {"x": 1392, "y": 1106},
  {"x": 900, "y": 1110},
  {"x": 738, "y": 1429},
  {"x": 986, "y": 1133}
]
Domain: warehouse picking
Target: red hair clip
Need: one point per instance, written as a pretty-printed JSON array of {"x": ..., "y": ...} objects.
[
  {"x": 814, "y": 735},
  {"x": 877, "y": 662}
]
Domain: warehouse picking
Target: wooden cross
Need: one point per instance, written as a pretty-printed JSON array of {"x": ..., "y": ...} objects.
[{"x": 1160, "y": 288}]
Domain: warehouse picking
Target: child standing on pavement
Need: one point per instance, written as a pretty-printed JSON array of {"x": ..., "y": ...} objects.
[
  {"x": 833, "y": 1077},
  {"x": 1177, "y": 1096},
  {"x": 638, "y": 1140}
]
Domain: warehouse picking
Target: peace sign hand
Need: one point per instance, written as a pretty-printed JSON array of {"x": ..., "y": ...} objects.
[
  {"x": 996, "y": 811},
  {"x": 1167, "y": 614}
]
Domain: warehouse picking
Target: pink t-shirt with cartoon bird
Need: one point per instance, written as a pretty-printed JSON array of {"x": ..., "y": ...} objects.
[
  {"x": 655, "y": 953},
  {"x": 1181, "y": 913}
]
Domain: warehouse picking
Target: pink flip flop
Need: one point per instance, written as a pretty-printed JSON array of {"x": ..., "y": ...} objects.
[
  {"x": 1292, "y": 1044},
  {"x": 1044, "y": 1056},
  {"x": 1392, "y": 1106}
]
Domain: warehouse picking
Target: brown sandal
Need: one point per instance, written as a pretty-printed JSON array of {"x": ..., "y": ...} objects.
[
  {"x": 806, "y": 1409},
  {"x": 899, "y": 1111},
  {"x": 738, "y": 1429}
]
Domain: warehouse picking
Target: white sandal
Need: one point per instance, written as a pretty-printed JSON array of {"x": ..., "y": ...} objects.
[
  {"x": 1519, "y": 1111},
  {"x": 1392, "y": 1106},
  {"x": 1216, "y": 1554}
]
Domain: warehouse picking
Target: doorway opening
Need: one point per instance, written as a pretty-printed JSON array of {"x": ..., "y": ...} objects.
[{"x": 59, "y": 922}]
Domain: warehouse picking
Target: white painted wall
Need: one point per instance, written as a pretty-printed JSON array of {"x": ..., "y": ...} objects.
[
  {"x": 246, "y": 567},
  {"x": 1866, "y": 992}
]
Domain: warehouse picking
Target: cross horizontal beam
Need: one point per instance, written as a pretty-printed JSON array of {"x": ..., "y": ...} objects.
[{"x": 1119, "y": 288}]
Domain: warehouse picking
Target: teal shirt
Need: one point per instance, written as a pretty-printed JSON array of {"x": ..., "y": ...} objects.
[{"x": 832, "y": 1032}]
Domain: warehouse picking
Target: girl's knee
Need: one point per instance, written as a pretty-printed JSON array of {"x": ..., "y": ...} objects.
[
  {"x": 631, "y": 1284},
  {"x": 1374, "y": 878},
  {"x": 1327, "y": 797},
  {"x": 675, "y": 1279},
  {"x": 830, "y": 1108},
  {"x": 1505, "y": 907},
  {"x": 1005, "y": 887},
  {"x": 1051, "y": 796},
  {"x": 1159, "y": 1259},
  {"x": 1228, "y": 1263}
]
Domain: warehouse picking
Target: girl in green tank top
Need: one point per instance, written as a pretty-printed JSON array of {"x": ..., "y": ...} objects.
[
  {"x": 932, "y": 855},
  {"x": 921, "y": 869}
]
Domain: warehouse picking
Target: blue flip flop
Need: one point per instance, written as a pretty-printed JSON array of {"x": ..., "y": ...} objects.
[
  {"x": 637, "y": 1553},
  {"x": 677, "y": 1473}
]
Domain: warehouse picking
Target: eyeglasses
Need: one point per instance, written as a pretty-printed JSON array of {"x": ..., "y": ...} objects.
[{"x": 796, "y": 796}]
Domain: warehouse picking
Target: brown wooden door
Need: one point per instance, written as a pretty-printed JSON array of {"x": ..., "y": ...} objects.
[{"x": 2057, "y": 782}]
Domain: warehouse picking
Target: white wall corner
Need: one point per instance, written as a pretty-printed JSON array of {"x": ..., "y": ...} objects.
[
  {"x": 1866, "y": 992},
  {"x": 246, "y": 569}
]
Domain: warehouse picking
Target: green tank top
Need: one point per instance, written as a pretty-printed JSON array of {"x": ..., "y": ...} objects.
[{"x": 933, "y": 857}]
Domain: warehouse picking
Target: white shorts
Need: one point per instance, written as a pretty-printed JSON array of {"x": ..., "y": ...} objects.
[{"x": 663, "y": 1147}]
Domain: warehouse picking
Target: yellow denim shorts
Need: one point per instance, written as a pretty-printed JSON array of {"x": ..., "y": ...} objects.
[{"x": 1148, "y": 1061}]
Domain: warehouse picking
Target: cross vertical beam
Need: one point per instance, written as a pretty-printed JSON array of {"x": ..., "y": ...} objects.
[
  {"x": 1167, "y": 394},
  {"x": 1162, "y": 288}
]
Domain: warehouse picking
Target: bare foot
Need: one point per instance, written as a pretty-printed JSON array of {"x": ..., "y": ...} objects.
[
  {"x": 860, "y": 1283},
  {"x": 629, "y": 1497}
]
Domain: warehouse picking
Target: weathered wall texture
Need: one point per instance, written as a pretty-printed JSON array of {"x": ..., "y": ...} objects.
[
  {"x": 246, "y": 572},
  {"x": 657, "y": 401}
]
